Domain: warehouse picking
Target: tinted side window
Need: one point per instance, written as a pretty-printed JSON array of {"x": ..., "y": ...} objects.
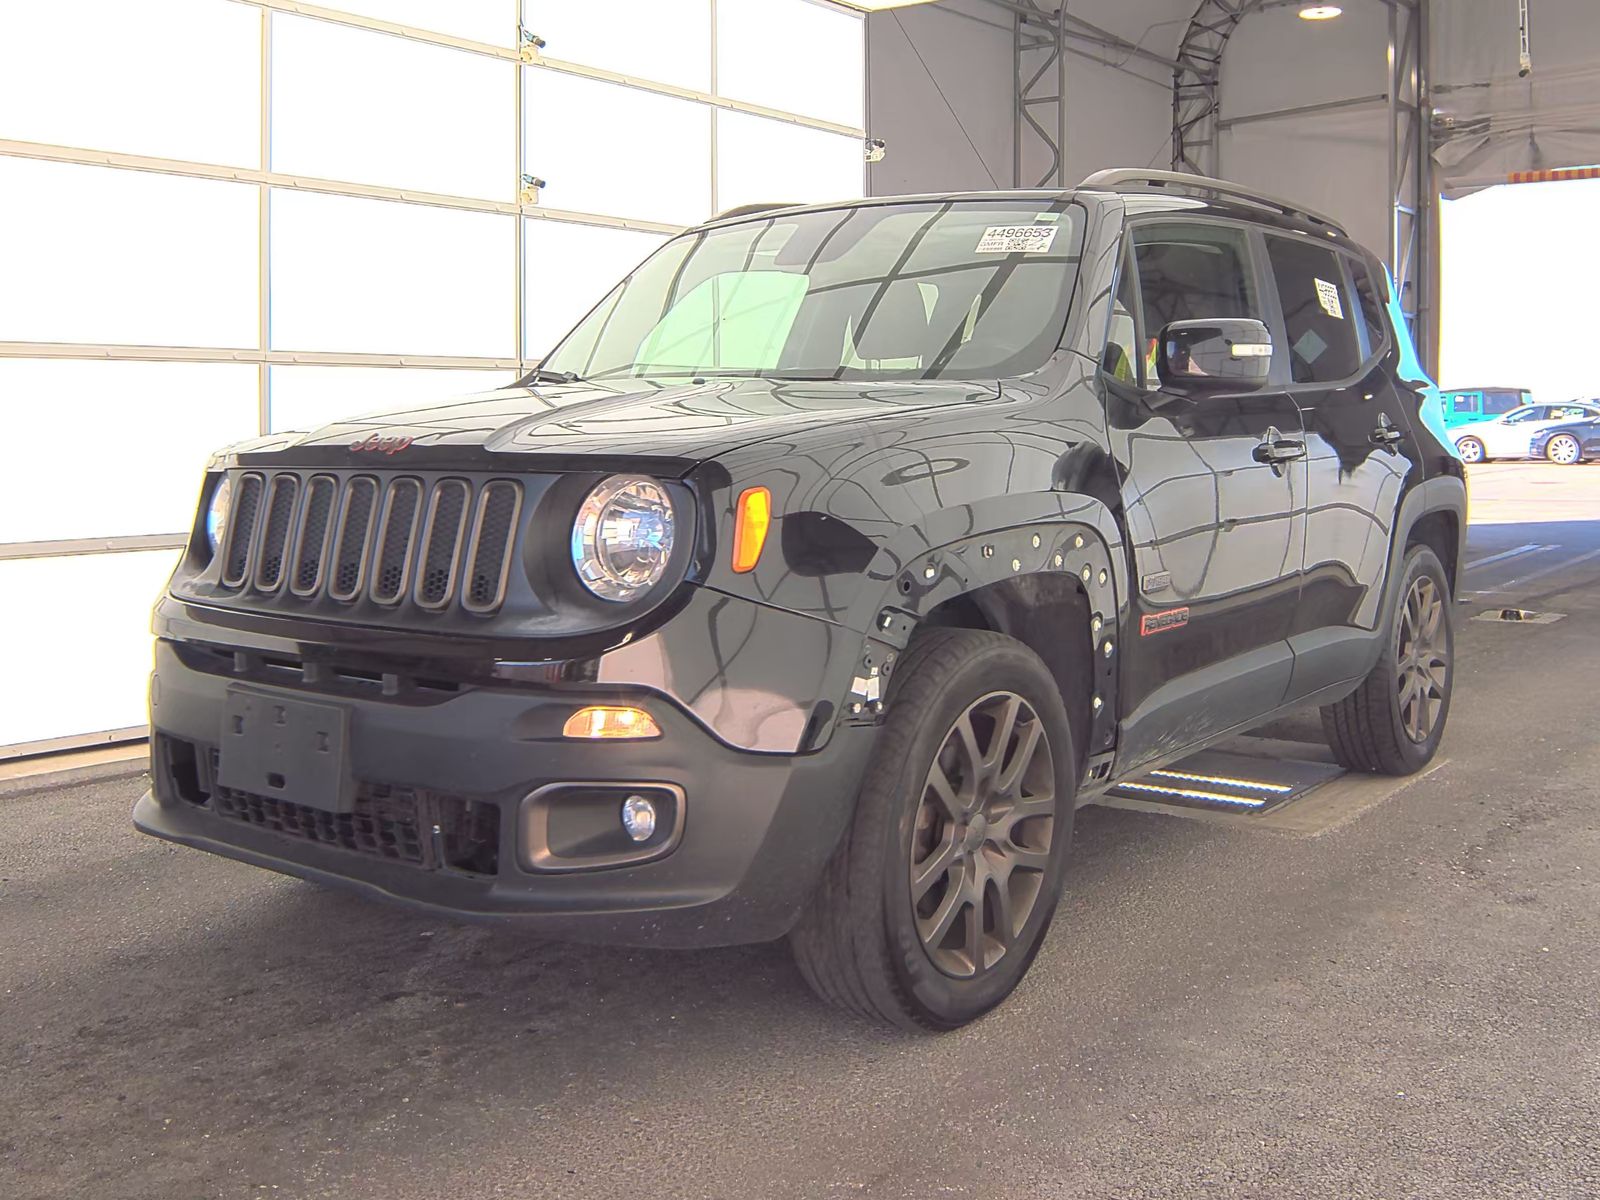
[
  {"x": 1316, "y": 311},
  {"x": 1122, "y": 359},
  {"x": 1495, "y": 403},
  {"x": 1371, "y": 307},
  {"x": 1192, "y": 273},
  {"x": 1531, "y": 413},
  {"x": 1465, "y": 402}
]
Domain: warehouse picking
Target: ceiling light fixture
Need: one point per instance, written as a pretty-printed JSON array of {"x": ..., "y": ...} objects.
[{"x": 1320, "y": 12}]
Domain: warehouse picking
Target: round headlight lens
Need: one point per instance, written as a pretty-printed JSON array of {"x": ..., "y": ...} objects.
[
  {"x": 217, "y": 509},
  {"x": 622, "y": 538}
]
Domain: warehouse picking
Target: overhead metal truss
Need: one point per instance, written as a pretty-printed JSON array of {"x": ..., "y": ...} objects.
[
  {"x": 1196, "y": 81},
  {"x": 1413, "y": 195},
  {"x": 1040, "y": 116}
]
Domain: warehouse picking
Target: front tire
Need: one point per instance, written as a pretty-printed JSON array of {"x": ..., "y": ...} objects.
[
  {"x": 1392, "y": 723},
  {"x": 1564, "y": 449},
  {"x": 1470, "y": 449},
  {"x": 937, "y": 900}
]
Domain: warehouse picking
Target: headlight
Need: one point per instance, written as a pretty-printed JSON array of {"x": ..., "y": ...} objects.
[
  {"x": 217, "y": 512},
  {"x": 622, "y": 538}
]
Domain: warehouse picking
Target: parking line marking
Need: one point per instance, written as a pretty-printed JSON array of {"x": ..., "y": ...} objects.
[
  {"x": 1505, "y": 554},
  {"x": 1542, "y": 572}
]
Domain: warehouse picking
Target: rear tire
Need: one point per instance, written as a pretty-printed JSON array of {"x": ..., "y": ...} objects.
[
  {"x": 1470, "y": 449},
  {"x": 1392, "y": 723},
  {"x": 962, "y": 826},
  {"x": 1564, "y": 450}
]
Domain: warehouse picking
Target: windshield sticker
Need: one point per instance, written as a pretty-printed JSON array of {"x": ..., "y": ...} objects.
[
  {"x": 1017, "y": 239},
  {"x": 1328, "y": 297}
]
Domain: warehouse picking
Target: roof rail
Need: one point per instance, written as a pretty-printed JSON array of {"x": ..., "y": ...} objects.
[
  {"x": 747, "y": 210},
  {"x": 1129, "y": 179}
]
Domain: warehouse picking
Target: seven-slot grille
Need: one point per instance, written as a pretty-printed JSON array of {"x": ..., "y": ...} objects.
[{"x": 363, "y": 536}]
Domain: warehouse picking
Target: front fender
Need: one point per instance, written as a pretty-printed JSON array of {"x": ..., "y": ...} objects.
[{"x": 1044, "y": 535}]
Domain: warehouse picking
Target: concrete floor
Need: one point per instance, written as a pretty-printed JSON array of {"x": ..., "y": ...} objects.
[{"x": 1405, "y": 1005}]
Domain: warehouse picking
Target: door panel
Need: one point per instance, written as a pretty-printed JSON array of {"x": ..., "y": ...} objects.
[
  {"x": 1362, "y": 454},
  {"x": 1216, "y": 534}
]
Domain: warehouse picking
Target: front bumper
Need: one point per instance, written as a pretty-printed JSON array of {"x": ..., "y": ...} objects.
[{"x": 756, "y": 828}]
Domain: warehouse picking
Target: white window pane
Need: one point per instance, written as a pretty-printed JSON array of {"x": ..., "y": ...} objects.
[
  {"x": 167, "y": 417},
  {"x": 570, "y": 269},
  {"x": 92, "y": 254},
  {"x": 383, "y": 277},
  {"x": 354, "y": 105},
  {"x": 110, "y": 75},
  {"x": 492, "y": 21},
  {"x": 665, "y": 40},
  {"x": 310, "y": 397},
  {"x": 56, "y": 600},
  {"x": 605, "y": 148},
  {"x": 792, "y": 55},
  {"x": 765, "y": 161}
]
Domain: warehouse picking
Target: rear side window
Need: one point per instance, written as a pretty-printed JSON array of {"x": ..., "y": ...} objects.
[
  {"x": 1316, "y": 311},
  {"x": 1500, "y": 401},
  {"x": 1371, "y": 307},
  {"x": 1465, "y": 402}
]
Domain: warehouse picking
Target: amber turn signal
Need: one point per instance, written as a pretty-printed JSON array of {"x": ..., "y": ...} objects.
[
  {"x": 608, "y": 721},
  {"x": 753, "y": 519}
]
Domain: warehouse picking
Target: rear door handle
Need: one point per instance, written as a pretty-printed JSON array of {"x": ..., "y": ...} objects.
[
  {"x": 1274, "y": 449},
  {"x": 1386, "y": 435}
]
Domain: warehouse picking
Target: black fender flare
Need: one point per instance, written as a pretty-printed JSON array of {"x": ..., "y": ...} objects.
[
  {"x": 1442, "y": 493},
  {"x": 923, "y": 566}
]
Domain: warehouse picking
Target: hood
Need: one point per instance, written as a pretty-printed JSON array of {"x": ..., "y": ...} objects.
[{"x": 681, "y": 426}]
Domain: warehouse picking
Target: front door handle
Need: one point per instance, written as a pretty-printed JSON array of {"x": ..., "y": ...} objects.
[{"x": 1274, "y": 449}]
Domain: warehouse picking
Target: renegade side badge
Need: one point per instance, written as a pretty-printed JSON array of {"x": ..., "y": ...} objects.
[{"x": 1172, "y": 618}]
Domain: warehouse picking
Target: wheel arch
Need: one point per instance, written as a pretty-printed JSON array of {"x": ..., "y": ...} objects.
[
  {"x": 1057, "y": 583},
  {"x": 1053, "y": 616},
  {"x": 1434, "y": 513}
]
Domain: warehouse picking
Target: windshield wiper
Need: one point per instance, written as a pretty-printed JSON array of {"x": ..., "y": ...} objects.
[{"x": 540, "y": 375}]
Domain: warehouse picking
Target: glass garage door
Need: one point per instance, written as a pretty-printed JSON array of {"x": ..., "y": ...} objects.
[{"x": 383, "y": 203}]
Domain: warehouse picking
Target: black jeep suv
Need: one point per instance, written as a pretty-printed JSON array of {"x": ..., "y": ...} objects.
[{"x": 818, "y": 575}]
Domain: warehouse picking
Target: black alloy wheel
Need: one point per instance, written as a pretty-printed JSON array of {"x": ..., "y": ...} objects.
[
  {"x": 1423, "y": 658},
  {"x": 1393, "y": 722},
  {"x": 942, "y": 889},
  {"x": 980, "y": 843}
]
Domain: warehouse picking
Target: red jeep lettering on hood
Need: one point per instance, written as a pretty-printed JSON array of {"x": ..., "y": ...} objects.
[{"x": 380, "y": 445}]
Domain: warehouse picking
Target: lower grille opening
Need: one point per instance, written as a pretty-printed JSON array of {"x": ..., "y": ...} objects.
[
  {"x": 332, "y": 678},
  {"x": 425, "y": 829}
]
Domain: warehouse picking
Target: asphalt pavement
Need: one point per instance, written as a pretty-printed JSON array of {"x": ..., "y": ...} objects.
[{"x": 1404, "y": 1005}]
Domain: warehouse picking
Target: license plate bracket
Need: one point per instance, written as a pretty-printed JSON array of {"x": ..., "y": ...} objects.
[{"x": 288, "y": 749}]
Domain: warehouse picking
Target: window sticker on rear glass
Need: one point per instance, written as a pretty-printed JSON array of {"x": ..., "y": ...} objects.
[
  {"x": 1328, "y": 297},
  {"x": 1017, "y": 239}
]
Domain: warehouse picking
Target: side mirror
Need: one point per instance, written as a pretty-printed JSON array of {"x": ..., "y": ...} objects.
[{"x": 1226, "y": 354}]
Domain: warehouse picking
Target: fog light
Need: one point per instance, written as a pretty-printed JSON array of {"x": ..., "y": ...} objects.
[
  {"x": 607, "y": 721},
  {"x": 639, "y": 818}
]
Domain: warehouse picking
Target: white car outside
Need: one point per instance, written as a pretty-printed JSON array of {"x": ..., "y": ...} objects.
[{"x": 1508, "y": 436}]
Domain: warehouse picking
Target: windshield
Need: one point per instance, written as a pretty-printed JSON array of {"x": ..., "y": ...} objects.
[{"x": 940, "y": 290}]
